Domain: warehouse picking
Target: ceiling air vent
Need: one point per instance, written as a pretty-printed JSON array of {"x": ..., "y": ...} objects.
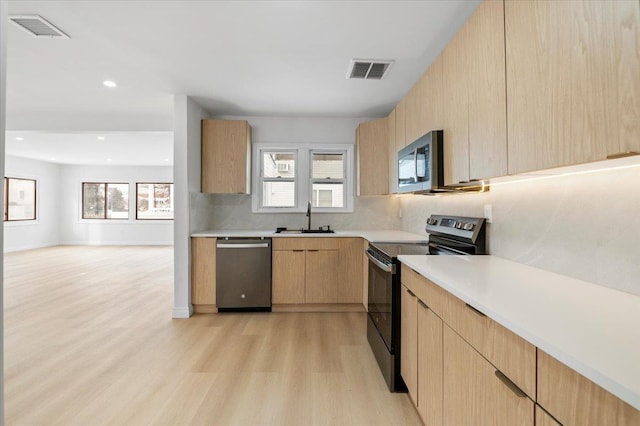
[
  {"x": 37, "y": 26},
  {"x": 368, "y": 69}
]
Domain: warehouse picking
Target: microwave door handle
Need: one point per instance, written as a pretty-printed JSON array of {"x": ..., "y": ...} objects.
[{"x": 415, "y": 165}]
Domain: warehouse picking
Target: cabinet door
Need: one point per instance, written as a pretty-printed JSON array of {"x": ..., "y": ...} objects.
[
  {"x": 321, "y": 276},
  {"x": 487, "y": 91},
  {"x": 373, "y": 158},
  {"x": 393, "y": 153},
  {"x": 288, "y": 276},
  {"x": 455, "y": 110},
  {"x": 474, "y": 394},
  {"x": 226, "y": 156},
  {"x": 544, "y": 419},
  {"x": 401, "y": 135},
  {"x": 203, "y": 271},
  {"x": 430, "y": 366},
  {"x": 350, "y": 270},
  {"x": 409, "y": 342},
  {"x": 572, "y": 81}
]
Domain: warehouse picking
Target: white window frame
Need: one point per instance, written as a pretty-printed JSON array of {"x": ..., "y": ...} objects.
[{"x": 303, "y": 181}]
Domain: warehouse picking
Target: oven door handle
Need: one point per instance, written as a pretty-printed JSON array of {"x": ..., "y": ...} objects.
[
  {"x": 449, "y": 249},
  {"x": 387, "y": 268}
]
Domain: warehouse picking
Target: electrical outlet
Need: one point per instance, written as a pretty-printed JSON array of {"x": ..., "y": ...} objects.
[
  {"x": 488, "y": 213},
  {"x": 400, "y": 213}
]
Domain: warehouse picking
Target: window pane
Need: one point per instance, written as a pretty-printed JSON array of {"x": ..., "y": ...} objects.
[
  {"x": 93, "y": 200},
  {"x": 117, "y": 201},
  {"x": 278, "y": 164},
  {"x": 328, "y": 166},
  {"x": 328, "y": 195},
  {"x": 22, "y": 199},
  {"x": 278, "y": 194},
  {"x": 155, "y": 200}
]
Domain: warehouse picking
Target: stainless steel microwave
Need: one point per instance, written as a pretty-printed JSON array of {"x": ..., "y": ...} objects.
[{"x": 420, "y": 164}]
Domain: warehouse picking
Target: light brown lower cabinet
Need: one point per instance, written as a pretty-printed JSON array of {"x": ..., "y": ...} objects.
[
  {"x": 321, "y": 276},
  {"x": 288, "y": 276},
  {"x": 203, "y": 271},
  {"x": 475, "y": 393},
  {"x": 430, "y": 366},
  {"x": 575, "y": 400},
  {"x": 409, "y": 342},
  {"x": 544, "y": 419}
]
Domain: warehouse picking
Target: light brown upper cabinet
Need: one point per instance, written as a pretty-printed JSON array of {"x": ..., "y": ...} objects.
[
  {"x": 423, "y": 108},
  {"x": 373, "y": 157},
  {"x": 226, "y": 156},
  {"x": 455, "y": 110},
  {"x": 401, "y": 134},
  {"x": 573, "y": 85},
  {"x": 393, "y": 153},
  {"x": 487, "y": 97}
]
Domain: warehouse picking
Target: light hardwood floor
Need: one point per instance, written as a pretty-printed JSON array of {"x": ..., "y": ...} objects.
[{"x": 89, "y": 341}]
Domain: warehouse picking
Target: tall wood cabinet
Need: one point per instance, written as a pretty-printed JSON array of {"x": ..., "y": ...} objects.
[
  {"x": 430, "y": 366},
  {"x": 226, "y": 156},
  {"x": 393, "y": 153},
  {"x": 373, "y": 157},
  {"x": 409, "y": 342},
  {"x": 572, "y": 81}
]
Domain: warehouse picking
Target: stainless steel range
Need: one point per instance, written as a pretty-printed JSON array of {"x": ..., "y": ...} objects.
[{"x": 448, "y": 235}]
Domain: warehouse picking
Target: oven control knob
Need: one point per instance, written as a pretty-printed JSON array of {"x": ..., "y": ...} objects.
[
  {"x": 458, "y": 225},
  {"x": 469, "y": 226},
  {"x": 431, "y": 221}
]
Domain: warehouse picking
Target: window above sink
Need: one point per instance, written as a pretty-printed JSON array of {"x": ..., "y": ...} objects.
[{"x": 288, "y": 176}]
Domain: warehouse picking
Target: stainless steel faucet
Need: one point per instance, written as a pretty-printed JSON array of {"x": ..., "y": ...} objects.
[{"x": 309, "y": 215}]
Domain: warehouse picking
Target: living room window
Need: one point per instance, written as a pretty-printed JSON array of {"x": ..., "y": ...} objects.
[
  {"x": 287, "y": 177},
  {"x": 154, "y": 201},
  {"x": 20, "y": 199},
  {"x": 105, "y": 200}
]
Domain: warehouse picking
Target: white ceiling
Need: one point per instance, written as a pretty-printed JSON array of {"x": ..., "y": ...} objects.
[{"x": 254, "y": 58}]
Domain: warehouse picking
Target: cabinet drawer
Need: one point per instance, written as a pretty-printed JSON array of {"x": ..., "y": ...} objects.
[
  {"x": 431, "y": 295},
  {"x": 295, "y": 243},
  {"x": 511, "y": 354},
  {"x": 575, "y": 400}
]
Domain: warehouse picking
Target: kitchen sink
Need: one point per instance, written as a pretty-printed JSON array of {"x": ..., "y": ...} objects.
[{"x": 321, "y": 230}]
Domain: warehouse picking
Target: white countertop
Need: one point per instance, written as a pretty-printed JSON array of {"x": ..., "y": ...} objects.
[
  {"x": 370, "y": 235},
  {"x": 593, "y": 329}
]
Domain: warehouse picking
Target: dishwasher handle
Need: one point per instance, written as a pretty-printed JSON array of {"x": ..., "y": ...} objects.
[{"x": 241, "y": 246}]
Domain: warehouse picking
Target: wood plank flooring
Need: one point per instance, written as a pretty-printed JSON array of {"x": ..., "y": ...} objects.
[{"x": 89, "y": 341}]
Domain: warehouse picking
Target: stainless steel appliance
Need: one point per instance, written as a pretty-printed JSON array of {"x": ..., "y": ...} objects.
[
  {"x": 420, "y": 164},
  {"x": 448, "y": 235},
  {"x": 243, "y": 274}
]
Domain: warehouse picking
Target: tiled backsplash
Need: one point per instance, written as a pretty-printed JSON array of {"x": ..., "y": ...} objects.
[
  {"x": 585, "y": 226},
  {"x": 233, "y": 212}
]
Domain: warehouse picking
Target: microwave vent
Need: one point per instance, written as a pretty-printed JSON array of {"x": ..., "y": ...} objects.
[
  {"x": 37, "y": 26},
  {"x": 369, "y": 69}
]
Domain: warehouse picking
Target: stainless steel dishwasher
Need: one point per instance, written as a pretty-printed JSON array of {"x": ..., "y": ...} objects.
[{"x": 243, "y": 274}]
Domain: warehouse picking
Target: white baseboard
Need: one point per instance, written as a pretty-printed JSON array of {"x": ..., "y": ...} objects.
[
  {"x": 183, "y": 312},
  {"x": 117, "y": 243}
]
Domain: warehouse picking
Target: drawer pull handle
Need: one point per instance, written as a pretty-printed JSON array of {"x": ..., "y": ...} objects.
[
  {"x": 474, "y": 310},
  {"x": 422, "y": 304},
  {"x": 412, "y": 294},
  {"x": 514, "y": 388},
  {"x": 297, "y": 251},
  {"x": 622, "y": 155},
  {"x": 313, "y": 250}
]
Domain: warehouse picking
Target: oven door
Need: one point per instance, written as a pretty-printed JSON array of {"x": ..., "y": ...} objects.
[{"x": 380, "y": 297}]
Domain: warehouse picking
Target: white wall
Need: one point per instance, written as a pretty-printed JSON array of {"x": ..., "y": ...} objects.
[
  {"x": 44, "y": 231},
  {"x": 75, "y": 230},
  {"x": 234, "y": 211},
  {"x": 585, "y": 226},
  {"x": 4, "y": 6},
  {"x": 186, "y": 157}
]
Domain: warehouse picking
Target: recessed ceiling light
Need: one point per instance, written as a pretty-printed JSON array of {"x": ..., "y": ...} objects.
[
  {"x": 166, "y": 159},
  {"x": 52, "y": 159},
  {"x": 18, "y": 138},
  {"x": 109, "y": 83},
  {"x": 100, "y": 138},
  {"x": 109, "y": 160}
]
